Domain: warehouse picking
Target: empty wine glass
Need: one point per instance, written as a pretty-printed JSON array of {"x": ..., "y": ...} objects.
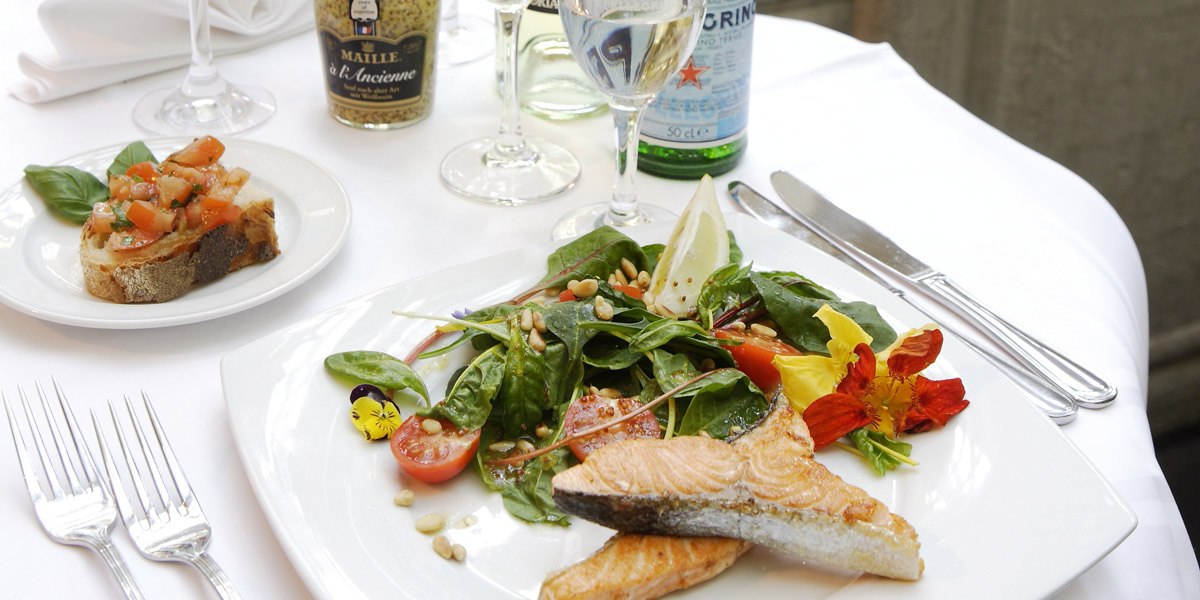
[
  {"x": 462, "y": 38},
  {"x": 629, "y": 49},
  {"x": 509, "y": 169},
  {"x": 204, "y": 102}
]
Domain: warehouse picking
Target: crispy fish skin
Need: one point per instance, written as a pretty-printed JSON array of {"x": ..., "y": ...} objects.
[
  {"x": 633, "y": 566},
  {"x": 767, "y": 489}
]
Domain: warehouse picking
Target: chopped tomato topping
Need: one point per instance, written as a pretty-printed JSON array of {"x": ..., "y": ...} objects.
[
  {"x": 146, "y": 216},
  {"x": 131, "y": 239},
  {"x": 144, "y": 171},
  {"x": 102, "y": 217},
  {"x": 201, "y": 152}
]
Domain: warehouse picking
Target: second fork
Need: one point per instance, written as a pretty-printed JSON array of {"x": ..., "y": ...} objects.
[{"x": 166, "y": 524}]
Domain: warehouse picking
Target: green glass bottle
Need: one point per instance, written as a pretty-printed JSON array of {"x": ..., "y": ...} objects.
[{"x": 697, "y": 123}]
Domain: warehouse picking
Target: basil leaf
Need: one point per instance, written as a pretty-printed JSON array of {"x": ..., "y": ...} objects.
[
  {"x": 469, "y": 401},
  {"x": 596, "y": 254},
  {"x": 376, "y": 368},
  {"x": 523, "y": 394},
  {"x": 132, "y": 154},
  {"x": 67, "y": 191},
  {"x": 869, "y": 442}
]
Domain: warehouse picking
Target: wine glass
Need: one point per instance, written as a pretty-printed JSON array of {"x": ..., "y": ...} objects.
[
  {"x": 508, "y": 169},
  {"x": 461, "y": 38},
  {"x": 629, "y": 49},
  {"x": 204, "y": 102}
]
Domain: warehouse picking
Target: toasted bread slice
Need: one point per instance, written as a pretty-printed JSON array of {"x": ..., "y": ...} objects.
[
  {"x": 768, "y": 491},
  {"x": 172, "y": 265}
]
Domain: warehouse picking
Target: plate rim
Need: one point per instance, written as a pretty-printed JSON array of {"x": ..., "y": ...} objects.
[
  {"x": 320, "y": 587},
  {"x": 227, "y": 302}
]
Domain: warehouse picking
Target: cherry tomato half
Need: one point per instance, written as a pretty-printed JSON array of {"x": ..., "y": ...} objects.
[
  {"x": 433, "y": 457},
  {"x": 754, "y": 354},
  {"x": 590, "y": 411}
]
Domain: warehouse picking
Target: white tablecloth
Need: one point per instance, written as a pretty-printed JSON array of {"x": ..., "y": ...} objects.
[{"x": 1024, "y": 234}]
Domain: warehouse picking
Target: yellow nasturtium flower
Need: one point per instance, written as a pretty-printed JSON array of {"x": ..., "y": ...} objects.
[{"x": 806, "y": 378}]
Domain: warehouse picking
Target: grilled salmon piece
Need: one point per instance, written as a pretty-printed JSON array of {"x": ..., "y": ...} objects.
[
  {"x": 632, "y": 566},
  {"x": 767, "y": 489}
]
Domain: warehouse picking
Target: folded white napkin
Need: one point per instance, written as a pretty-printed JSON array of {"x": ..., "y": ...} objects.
[{"x": 94, "y": 43}]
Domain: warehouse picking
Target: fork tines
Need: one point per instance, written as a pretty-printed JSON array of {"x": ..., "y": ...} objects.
[{"x": 78, "y": 477}]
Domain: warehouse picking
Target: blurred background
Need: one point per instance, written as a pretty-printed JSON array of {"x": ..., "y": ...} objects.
[{"x": 1107, "y": 88}]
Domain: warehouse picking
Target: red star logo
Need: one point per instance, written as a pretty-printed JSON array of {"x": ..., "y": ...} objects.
[{"x": 690, "y": 74}]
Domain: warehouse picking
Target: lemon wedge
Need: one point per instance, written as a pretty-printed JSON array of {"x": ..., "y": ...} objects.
[{"x": 698, "y": 245}]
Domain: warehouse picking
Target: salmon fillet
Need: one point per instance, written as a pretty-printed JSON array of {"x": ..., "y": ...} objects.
[
  {"x": 766, "y": 488},
  {"x": 632, "y": 566}
]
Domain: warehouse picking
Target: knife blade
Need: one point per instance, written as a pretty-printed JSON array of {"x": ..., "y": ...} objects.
[
  {"x": 1060, "y": 409},
  {"x": 884, "y": 256}
]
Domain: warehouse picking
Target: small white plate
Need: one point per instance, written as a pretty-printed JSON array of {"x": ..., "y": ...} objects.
[
  {"x": 1004, "y": 505},
  {"x": 41, "y": 276}
]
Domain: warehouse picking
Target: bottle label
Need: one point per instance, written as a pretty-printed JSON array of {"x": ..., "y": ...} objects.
[
  {"x": 544, "y": 6},
  {"x": 708, "y": 103},
  {"x": 372, "y": 71}
]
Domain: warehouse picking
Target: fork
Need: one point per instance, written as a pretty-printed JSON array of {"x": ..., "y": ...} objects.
[
  {"x": 79, "y": 509},
  {"x": 168, "y": 527}
]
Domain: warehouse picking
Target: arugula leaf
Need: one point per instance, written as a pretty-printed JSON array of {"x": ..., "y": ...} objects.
[
  {"x": 879, "y": 450},
  {"x": 67, "y": 191},
  {"x": 523, "y": 393},
  {"x": 469, "y": 400},
  {"x": 596, "y": 254},
  {"x": 376, "y": 368},
  {"x": 132, "y": 154}
]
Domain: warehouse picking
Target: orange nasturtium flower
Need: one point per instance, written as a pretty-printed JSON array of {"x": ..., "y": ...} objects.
[{"x": 884, "y": 393}]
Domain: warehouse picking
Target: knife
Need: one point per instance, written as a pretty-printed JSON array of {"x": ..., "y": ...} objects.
[
  {"x": 883, "y": 256},
  {"x": 1054, "y": 404}
]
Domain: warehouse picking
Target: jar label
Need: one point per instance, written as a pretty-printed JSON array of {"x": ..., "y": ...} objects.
[
  {"x": 372, "y": 71},
  {"x": 709, "y": 99}
]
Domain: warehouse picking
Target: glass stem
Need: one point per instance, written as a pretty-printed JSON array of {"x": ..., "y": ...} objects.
[
  {"x": 623, "y": 208},
  {"x": 510, "y": 143},
  {"x": 202, "y": 77}
]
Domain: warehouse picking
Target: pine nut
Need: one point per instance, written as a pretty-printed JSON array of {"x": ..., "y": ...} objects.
[
  {"x": 737, "y": 326},
  {"x": 441, "y": 545},
  {"x": 431, "y": 426},
  {"x": 620, "y": 277},
  {"x": 586, "y": 288},
  {"x": 593, "y": 390},
  {"x": 526, "y": 320},
  {"x": 542, "y": 431},
  {"x": 628, "y": 268},
  {"x": 609, "y": 393},
  {"x": 524, "y": 446},
  {"x": 643, "y": 279},
  {"x": 458, "y": 552},
  {"x": 604, "y": 310},
  {"x": 762, "y": 330},
  {"x": 535, "y": 341},
  {"x": 431, "y": 523},
  {"x": 572, "y": 284},
  {"x": 539, "y": 322},
  {"x": 404, "y": 498},
  {"x": 612, "y": 279},
  {"x": 502, "y": 446}
]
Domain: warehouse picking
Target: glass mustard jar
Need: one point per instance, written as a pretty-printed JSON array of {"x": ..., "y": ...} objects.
[{"x": 378, "y": 59}]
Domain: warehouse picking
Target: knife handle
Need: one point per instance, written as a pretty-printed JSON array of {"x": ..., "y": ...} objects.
[{"x": 1088, "y": 390}]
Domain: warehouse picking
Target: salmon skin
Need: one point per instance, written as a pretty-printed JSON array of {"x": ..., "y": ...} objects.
[{"x": 766, "y": 488}]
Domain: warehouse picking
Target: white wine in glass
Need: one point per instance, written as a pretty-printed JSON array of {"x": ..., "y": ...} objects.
[
  {"x": 629, "y": 49},
  {"x": 204, "y": 103}
]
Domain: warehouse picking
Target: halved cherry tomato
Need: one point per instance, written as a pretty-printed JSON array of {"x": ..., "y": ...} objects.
[
  {"x": 433, "y": 457},
  {"x": 754, "y": 354},
  {"x": 145, "y": 171},
  {"x": 629, "y": 290},
  {"x": 148, "y": 217},
  {"x": 591, "y": 410},
  {"x": 131, "y": 239}
]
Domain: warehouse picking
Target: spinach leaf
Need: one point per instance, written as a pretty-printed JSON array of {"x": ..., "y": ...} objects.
[
  {"x": 376, "y": 368},
  {"x": 872, "y": 444},
  {"x": 133, "y": 154},
  {"x": 469, "y": 401},
  {"x": 724, "y": 406},
  {"x": 800, "y": 284},
  {"x": 531, "y": 498},
  {"x": 565, "y": 372},
  {"x": 67, "y": 191},
  {"x": 610, "y": 353},
  {"x": 653, "y": 252},
  {"x": 523, "y": 394},
  {"x": 727, "y": 289},
  {"x": 793, "y": 314},
  {"x": 662, "y": 331},
  {"x": 596, "y": 254},
  {"x": 735, "y": 251},
  {"x": 671, "y": 370}
]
